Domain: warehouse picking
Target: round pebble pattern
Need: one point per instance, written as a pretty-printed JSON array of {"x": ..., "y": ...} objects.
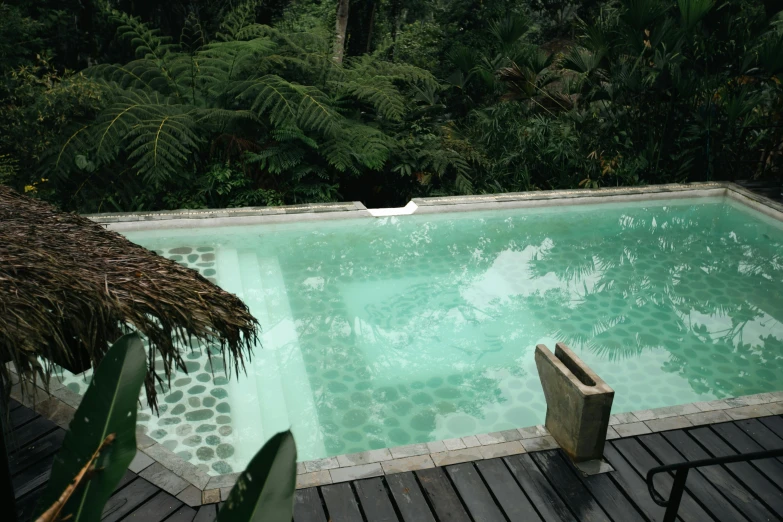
[{"x": 189, "y": 408}]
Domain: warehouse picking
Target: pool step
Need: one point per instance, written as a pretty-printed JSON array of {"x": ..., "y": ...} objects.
[
  {"x": 281, "y": 339},
  {"x": 246, "y": 416}
]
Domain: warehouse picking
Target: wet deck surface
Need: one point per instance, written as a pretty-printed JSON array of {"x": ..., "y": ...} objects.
[{"x": 540, "y": 486}]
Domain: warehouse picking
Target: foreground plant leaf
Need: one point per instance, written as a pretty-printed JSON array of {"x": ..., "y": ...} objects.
[
  {"x": 265, "y": 490},
  {"x": 108, "y": 408}
]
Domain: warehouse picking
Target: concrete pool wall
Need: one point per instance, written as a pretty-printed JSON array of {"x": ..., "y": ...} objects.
[{"x": 165, "y": 469}]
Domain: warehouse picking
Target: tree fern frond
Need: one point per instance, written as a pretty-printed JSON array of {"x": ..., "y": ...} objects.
[
  {"x": 357, "y": 145},
  {"x": 148, "y": 44},
  {"x": 270, "y": 95},
  {"x": 370, "y": 65},
  {"x": 292, "y": 134},
  {"x": 240, "y": 23},
  {"x": 77, "y": 142},
  {"x": 278, "y": 159},
  {"x": 161, "y": 146},
  {"x": 381, "y": 93},
  {"x": 314, "y": 111}
]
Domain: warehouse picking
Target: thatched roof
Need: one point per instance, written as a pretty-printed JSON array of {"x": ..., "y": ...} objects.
[{"x": 69, "y": 288}]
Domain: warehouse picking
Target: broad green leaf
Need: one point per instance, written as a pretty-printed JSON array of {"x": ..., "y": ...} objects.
[
  {"x": 264, "y": 492},
  {"x": 691, "y": 11},
  {"x": 108, "y": 407}
]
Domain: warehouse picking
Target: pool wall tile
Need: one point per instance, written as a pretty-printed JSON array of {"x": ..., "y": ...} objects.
[
  {"x": 471, "y": 441},
  {"x": 407, "y": 464},
  {"x": 140, "y": 462},
  {"x": 172, "y": 462},
  {"x": 668, "y": 411},
  {"x": 321, "y": 464},
  {"x": 540, "y": 443},
  {"x": 712, "y": 405},
  {"x": 511, "y": 435},
  {"x": 363, "y": 457},
  {"x": 776, "y": 408},
  {"x": 158, "y": 475},
  {"x": 491, "y": 438},
  {"x": 410, "y": 450},
  {"x": 222, "y": 481},
  {"x": 623, "y": 418},
  {"x": 143, "y": 441},
  {"x": 224, "y": 492},
  {"x": 446, "y": 458},
  {"x": 356, "y": 472},
  {"x": 31, "y": 395},
  {"x": 210, "y": 496},
  {"x": 748, "y": 412},
  {"x": 300, "y": 468},
  {"x": 436, "y": 446},
  {"x": 708, "y": 417},
  {"x": 668, "y": 423},
  {"x": 191, "y": 496},
  {"x": 68, "y": 396},
  {"x": 316, "y": 478},
  {"x": 503, "y": 449},
  {"x": 533, "y": 431},
  {"x": 631, "y": 429},
  {"x": 56, "y": 411},
  {"x": 749, "y": 400},
  {"x": 454, "y": 444}
]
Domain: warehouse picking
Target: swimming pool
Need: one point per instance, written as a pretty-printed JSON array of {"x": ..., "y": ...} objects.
[{"x": 389, "y": 331}]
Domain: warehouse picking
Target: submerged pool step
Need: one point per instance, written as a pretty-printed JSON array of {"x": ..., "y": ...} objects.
[
  {"x": 265, "y": 367},
  {"x": 246, "y": 418},
  {"x": 281, "y": 340}
]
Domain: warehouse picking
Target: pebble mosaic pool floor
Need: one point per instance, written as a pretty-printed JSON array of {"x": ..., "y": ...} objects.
[{"x": 194, "y": 418}]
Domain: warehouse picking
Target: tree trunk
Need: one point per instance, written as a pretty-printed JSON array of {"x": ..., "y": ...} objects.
[
  {"x": 370, "y": 25},
  {"x": 341, "y": 27}
]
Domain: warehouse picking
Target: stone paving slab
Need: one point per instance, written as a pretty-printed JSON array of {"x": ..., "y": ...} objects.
[
  {"x": 356, "y": 472},
  {"x": 407, "y": 464}
]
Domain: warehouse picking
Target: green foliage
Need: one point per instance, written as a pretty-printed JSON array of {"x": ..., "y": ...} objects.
[
  {"x": 220, "y": 107},
  {"x": 265, "y": 490},
  {"x": 275, "y": 96},
  {"x": 107, "y": 413}
]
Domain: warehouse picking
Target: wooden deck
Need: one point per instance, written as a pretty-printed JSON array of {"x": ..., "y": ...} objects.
[{"x": 540, "y": 486}]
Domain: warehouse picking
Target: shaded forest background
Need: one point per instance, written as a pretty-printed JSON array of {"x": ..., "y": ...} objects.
[{"x": 127, "y": 105}]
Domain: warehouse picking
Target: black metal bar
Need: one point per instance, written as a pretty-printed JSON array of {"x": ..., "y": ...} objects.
[
  {"x": 678, "y": 488},
  {"x": 681, "y": 474}
]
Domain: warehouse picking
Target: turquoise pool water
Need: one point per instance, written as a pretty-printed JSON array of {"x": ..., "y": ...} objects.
[{"x": 390, "y": 331}]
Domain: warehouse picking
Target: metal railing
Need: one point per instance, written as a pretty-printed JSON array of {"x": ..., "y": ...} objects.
[{"x": 681, "y": 474}]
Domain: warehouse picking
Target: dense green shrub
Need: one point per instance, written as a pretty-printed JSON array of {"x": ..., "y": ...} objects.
[{"x": 445, "y": 97}]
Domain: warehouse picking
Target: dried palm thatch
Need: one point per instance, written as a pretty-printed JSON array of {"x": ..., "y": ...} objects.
[{"x": 69, "y": 288}]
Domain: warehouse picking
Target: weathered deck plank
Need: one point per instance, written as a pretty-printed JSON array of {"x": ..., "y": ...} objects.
[{"x": 541, "y": 486}]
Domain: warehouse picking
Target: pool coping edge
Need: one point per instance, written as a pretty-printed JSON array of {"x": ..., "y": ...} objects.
[
  {"x": 184, "y": 218},
  {"x": 183, "y": 479}
]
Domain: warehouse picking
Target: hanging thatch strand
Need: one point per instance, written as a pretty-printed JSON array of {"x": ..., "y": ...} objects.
[{"x": 69, "y": 288}]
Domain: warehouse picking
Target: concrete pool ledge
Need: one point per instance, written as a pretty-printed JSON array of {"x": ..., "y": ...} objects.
[
  {"x": 164, "y": 469},
  {"x": 177, "y": 219}
]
